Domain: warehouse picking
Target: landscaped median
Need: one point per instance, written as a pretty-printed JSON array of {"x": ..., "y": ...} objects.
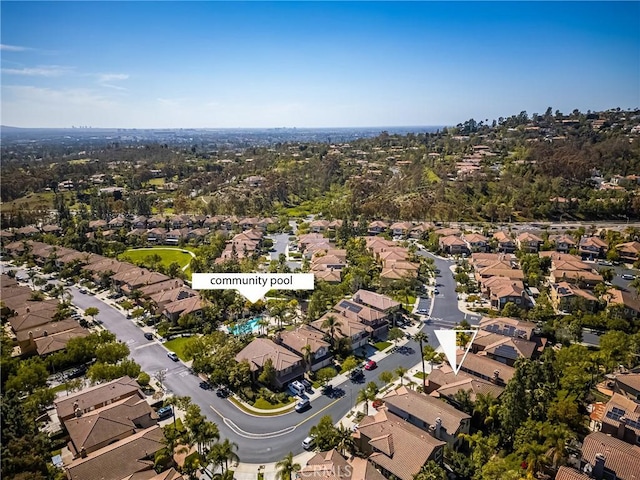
[{"x": 260, "y": 411}]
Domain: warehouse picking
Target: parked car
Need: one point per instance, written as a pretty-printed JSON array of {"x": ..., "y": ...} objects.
[
  {"x": 370, "y": 365},
  {"x": 302, "y": 405},
  {"x": 223, "y": 392},
  {"x": 165, "y": 412},
  {"x": 83, "y": 290},
  {"x": 356, "y": 374},
  {"x": 148, "y": 335},
  {"x": 205, "y": 385},
  {"x": 628, "y": 276},
  {"x": 308, "y": 443},
  {"x": 307, "y": 385},
  {"x": 296, "y": 388},
  {"x": 173, "y": 356}
]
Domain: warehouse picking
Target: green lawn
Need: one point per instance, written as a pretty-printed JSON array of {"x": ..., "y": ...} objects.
[
  {"x": 167, "y": 254},
  {"x": 265, "y": 405},
  {"x": 382, "y": 345},
  {"x": 242, "y": 407},
  {"x": 177, "y": 345}
]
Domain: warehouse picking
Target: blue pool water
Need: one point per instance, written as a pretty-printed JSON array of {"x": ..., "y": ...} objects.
[{"x": 250, "y": 326}]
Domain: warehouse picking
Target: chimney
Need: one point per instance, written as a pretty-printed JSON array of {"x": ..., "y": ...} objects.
[
  {"x": 598, "y": 468},
  {"x": 622, "y": 426},
  {"x": 45, "y": 333},
  {"x": 28, "y": 309},
  {"x": 438, "y": 427},
  {"x": 83, "y": 453},
  {"x": 78, "y": 412},
  {"x": 496, "y": 376}
]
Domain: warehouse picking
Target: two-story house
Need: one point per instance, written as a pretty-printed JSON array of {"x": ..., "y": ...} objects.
[
  {"x": 287, "y": 365},
  {"x": 432, "y": 415},
  {"x": 307, "y": 337}
]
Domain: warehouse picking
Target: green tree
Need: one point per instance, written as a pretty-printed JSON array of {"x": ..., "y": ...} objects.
[
  {"x": 345, "y": 444},
  {"x": 30, "y": 374},
  {"x": 325, "y": 374},
  {"x": 401, "y": 371},
  {"x": 92, "y": 312},
  {"x": 431, "y": 471},
  {"x": 366, "y": 395},
  {"x": 386, "y": 377},
  {"x": 395, "y": 334},
  {"x": 333, "y": 324},
  {"x": 325, "y": 434},
  {"x": 112, "y": 352},
  {"x": 349, "y": 364},
  {"x": 286, "y": 467},
  {"x": 268, "y": 374}
]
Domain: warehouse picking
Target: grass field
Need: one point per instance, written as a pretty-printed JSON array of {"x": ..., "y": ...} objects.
[
  {"x": 168, "y": 255},
  {"x": 382, "y": 345},
  {"x": 177, "y": 345}
]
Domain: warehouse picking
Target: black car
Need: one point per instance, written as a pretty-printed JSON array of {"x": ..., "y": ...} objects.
[
  {"x": 307, "y": 385},
  {"x": 327, "y": 390},
  {"x": 223, "y": 392},
  {"x": 77, "y": 372},
  {"x": 356, "y": 374},
  {"x": 205, "y": 385},
  {"x": 165, "y": 412},
  {"x": 148, "y": 335}
]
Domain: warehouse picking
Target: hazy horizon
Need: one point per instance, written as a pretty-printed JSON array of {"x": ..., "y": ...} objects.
[{"x": 237, "y": 65}]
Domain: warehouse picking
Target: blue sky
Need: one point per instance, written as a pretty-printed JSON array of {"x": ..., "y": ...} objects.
[{"x": 312, "y": 64}]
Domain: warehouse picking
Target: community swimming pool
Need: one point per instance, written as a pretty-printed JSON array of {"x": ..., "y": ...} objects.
[{"x": 244, "y": 328}]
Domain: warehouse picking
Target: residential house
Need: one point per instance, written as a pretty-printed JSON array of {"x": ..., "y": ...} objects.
[
  {"x": 173, "y": 237},
  {"x": 350, "y": 327},
  {"x": 49, "y": 337},
  {"x": 621, "y": 419},
  {"x": 375, "y": 320},
  {"x": 136, "y": 278},
  {"x": 452, "y": 245},
  {"x": 511, "y": 327},
  {"x": 628, "y": 384},
  {"x": 627, "y": 303},
  {"x": 476, "y": 242},
  {"x": 329, "y": 275},
  {"x": 567, "y": 268},
  {"x": 166, "y": 296},
  {"x": 288, "y": 365},
  {"x": 306, "y": 335},
  {"x": 376, "y": 227},
  {"x": 592, "y": 247},
  {"x": 97, "y": 225},
  {"x": 629, "y": 252},
  {"x": 28, "y": 231},
  {"x": 139, "y": 222},
  {"x": 192, "y": 305},
  {"x": 319, "y": 226},
  {"x": 117, "y": 222},
  {"x": 528, "y": 242},
  {"x": 502, "y": 348},
  {"x": 505, "y": 242},
  {"x": 567, "y": 298},
  {"x": 448, "y": 232},
  {"x": 126, "y": 459},
  {"x": 443, "y": 382},
  {"x": 401, "y": 229},
  {"x": 103, "y": 426},
  {"x": 156, "y": 235},
  {"x": 485, "y": 368},
  {"x": 608, "y": 458},
  {"x": 567, "y": 473},
  {"x": 432, "y": 415},
  {"x": 395, "y": 446},
  {"x": 563, "y": 243},
  {"x": 331, "y": 465},
  {"x": 96, "y": 397},
  {"x": 502, "y": 290}
]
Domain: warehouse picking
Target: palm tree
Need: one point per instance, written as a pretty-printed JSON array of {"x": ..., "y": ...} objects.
[
  {"x": 536, "y": 457},
  {"x": 226, "y": 451},
  {"x": 557, "y": 439},
  {"x": 401, "y": 371},
  {"x": 206, "y": 434},
  {"x": 263, "y": 323},
  {"x": 333, "y": 324},
  {"x": 421, "y": 338},
  {"x": 345, "y": 440},
  {"x": 307, "y": 357},
  {"x": 486, "y": 407},
  {"x": 285, "y": 468}
]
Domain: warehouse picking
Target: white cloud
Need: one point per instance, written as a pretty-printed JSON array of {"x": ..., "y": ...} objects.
[
  {"x": 40, "y": 71},
  {"x": 110, "y": 77},
  {"x": 13, "y": 48}
]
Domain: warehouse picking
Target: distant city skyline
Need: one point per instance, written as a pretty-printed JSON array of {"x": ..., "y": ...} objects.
[{"x": 312, "y": 64}]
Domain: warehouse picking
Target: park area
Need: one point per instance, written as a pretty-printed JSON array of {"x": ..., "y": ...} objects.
[{"x": 153, "y": 256}]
